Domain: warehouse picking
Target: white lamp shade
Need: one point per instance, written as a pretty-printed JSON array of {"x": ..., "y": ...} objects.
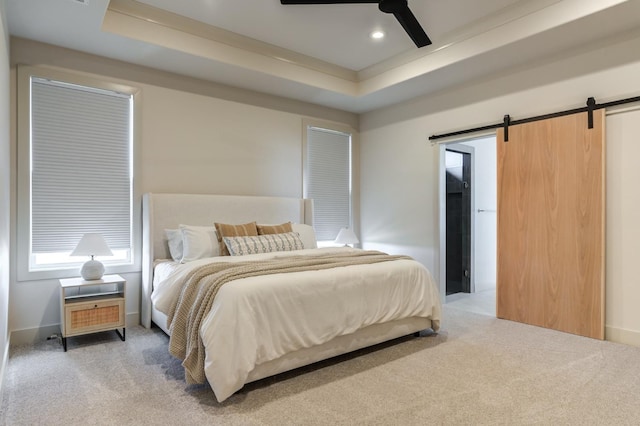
[
  {"x": 346, "y": 236},
  {"x": 92, "y": 245}
]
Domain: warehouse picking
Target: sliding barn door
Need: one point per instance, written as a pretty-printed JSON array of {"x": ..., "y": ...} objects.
[{"x": 550, "y": 270}]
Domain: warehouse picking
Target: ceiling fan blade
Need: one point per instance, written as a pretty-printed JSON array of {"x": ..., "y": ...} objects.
[
  {"x": 326, "y": 1},
  {"x": 412, "y": 26},
  {"x": 399, "y": 9}
]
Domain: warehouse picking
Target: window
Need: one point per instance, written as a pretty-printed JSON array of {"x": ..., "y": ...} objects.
[
  {"x": 75, "y": 173},
  {"x": 328, "y": 180}
]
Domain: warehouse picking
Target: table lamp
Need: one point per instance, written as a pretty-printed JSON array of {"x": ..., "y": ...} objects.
[
  {"x": 346, "y": 236},
  {"x": 92, "y": 245}
]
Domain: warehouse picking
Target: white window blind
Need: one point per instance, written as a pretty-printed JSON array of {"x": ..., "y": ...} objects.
[
  {"x": 328, "y": 180},
  {"x": 80, "y": 165}
]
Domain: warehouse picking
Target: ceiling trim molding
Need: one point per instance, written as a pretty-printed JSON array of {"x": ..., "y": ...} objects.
[
  {"x": 172, "y": 21},
  {"x": 503, "y": 32},
  {"x": 30, "y": 52},
  {"x": 512, "y": 28},
  {"x": 474, "y": 29}
]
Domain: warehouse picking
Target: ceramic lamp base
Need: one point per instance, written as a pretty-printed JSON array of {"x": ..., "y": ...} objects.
[{"x": 92, "y": 270}]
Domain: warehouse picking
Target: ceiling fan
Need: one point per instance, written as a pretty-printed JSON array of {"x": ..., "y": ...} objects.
[{"x": 399, "y": 9}]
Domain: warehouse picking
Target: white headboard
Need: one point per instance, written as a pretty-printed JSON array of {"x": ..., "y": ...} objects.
[{"x": 168, "y": 211}]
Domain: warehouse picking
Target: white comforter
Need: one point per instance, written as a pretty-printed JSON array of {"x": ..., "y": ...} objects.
[{"x": 259, "y": 319}]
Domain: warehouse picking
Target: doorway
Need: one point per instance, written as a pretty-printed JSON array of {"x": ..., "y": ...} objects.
[
  {"x": 458, "y": 225},
  {"x": 481, "y": 295}
]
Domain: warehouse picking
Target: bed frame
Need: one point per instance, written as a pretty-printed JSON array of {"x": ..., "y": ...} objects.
[{"x": 167, "y": 211}]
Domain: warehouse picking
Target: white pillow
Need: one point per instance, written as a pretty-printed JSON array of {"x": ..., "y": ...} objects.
[
  {"x": 252, "y": 244},
  {"x": 199, "y": 242},
  {"x": 174, "y": 239},
  {"x": 307, "y": 234}
]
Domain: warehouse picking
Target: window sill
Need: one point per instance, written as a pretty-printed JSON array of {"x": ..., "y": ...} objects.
[{"x": 25, "y": 275}]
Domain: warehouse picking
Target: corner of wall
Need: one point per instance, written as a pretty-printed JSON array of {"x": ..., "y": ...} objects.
[
  {"x": 5, "y": 190},
  {"x": 3, "y": 364}
]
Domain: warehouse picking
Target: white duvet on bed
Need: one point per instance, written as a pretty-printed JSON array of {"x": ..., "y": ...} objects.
[{"x": 259, "y": 319}]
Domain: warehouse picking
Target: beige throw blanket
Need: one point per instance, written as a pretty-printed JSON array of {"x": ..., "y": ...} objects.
[{"x": 202, "y": 285}]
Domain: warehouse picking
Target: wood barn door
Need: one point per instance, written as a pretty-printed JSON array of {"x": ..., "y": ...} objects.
[{"x": 550, "y": 267}]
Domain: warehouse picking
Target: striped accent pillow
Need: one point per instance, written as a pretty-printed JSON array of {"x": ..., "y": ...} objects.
[
  {"x": 226, "y": 230},
  {"x": 243, "y": 245},
  {"x": 275, "y": 229}
]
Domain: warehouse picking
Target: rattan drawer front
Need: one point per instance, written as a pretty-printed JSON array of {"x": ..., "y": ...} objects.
[{"x": 89, "y": 317}]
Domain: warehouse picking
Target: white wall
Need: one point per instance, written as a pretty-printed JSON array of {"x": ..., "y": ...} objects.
[
  {"x": 195, "y": 137},
  {"x": 5, "y": 188},
  {"x": 399, "y": 167},
  {"x": 199, "y": 144},
  {"x": 623, "y": 227}
]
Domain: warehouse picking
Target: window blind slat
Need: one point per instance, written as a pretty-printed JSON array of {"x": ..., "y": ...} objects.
[
  {"x": 328, "y": 178},
  {"x": 80, "y": 166}
]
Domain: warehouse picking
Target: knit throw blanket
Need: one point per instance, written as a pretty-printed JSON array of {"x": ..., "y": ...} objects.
[{"x": 202, "y": 284}]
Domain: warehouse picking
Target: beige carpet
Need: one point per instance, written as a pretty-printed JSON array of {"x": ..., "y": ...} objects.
[{"x": 477, "y": 370}]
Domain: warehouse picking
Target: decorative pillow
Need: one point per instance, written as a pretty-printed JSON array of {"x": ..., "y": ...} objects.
[
  {"x": 227, "y": 230},
  {"x": 307, "y": 235},
  {"x": 240, "y": 246},
  {"x": 174, "y": 240},
  {"x": 274, "y": 229},
  {"x": 199, "y": 242}
]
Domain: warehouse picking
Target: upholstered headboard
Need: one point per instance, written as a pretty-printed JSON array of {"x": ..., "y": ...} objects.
[{"x": 168, "y": 211}]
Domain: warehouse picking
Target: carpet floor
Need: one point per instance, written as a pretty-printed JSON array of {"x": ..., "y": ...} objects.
[{"x": 477, "y": 370}]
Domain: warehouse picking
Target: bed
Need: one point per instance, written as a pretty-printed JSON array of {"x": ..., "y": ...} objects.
[{"x": 264, "y": 323}]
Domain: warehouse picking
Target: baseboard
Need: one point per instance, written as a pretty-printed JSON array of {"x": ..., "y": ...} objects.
[
  {"x": 33, "y": 335},
  {"x": 132, "y": 319},
  {"x": 485, "y": 286},
  {"x": 621, "y": 335}
]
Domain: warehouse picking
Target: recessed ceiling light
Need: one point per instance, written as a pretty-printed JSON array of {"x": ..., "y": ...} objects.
[{"x": 377, "y": 35}]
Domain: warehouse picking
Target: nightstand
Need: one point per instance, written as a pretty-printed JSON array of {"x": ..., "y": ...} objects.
[{"x": 92, "y": 306}]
